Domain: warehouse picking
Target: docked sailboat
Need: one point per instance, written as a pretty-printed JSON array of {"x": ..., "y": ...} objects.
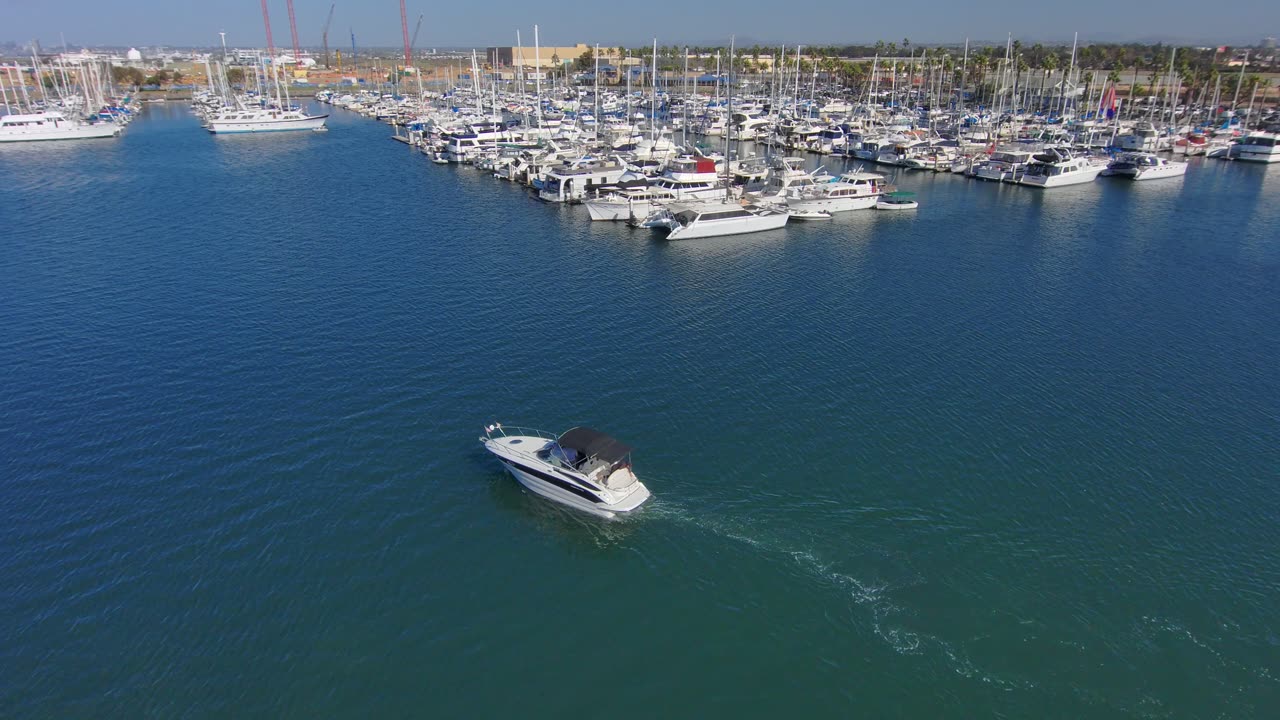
[{"x": 582, "y": 468}]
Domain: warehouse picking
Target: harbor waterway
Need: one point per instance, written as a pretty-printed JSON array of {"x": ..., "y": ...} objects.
[{"x": 1012, "y": 454}]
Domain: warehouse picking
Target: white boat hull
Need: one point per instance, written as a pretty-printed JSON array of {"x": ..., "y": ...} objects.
[
  {"x": 64, "y": 132},
  {"x": 1073, "y": 178},
  {"x": 619, "y": 212},
  {"x": 561, "y": 486},
  {"x": 832, "y": 205},
  {"x": 1258, "y": 156},
  {"x": 736, "y": 226},
  {"x": 227, "y": 127},
  {"x": 564, "y": 497},
  {"x": 1163, "y": 171}
]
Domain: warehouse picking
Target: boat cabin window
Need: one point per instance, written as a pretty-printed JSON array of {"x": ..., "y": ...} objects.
[{"x": 724, "y": 215}]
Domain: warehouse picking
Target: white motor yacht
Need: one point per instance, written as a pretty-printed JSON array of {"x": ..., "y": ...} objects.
[
  {"x": 582, "y": 468},
  {"x": 628, "y": 203},
  {"x": 1003, "y": 165},
  {"x": 1261, "y": 147},
  {"x": 1058, "y": 168},
  {"x": 850, "y": 191},
  {"x": 255, "y": 120},
  {"x": 51, "y": 125},
  {"x": 1144, "y": 166},
  {"x": 686, "y": 221}
]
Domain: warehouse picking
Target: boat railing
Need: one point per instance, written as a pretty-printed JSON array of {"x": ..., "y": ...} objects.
[{"x": 504, "y": 430}]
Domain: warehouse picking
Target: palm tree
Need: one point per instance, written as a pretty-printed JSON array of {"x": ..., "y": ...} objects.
[
  {"x": 1049, "y": 64},
  {"x": 1019, "y": 67}
]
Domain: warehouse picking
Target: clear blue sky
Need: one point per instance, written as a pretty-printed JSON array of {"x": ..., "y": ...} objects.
[{"x": 377, "y": 22}]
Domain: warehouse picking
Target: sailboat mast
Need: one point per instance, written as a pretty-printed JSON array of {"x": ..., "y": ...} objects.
[
  {"x": 685, "y": 104},
  {"x": 653, "y": 93},
  {"x": 537, "y": 77},
  {"x": 1070, "y": 70},
  {"x": 729, "y": 91}
]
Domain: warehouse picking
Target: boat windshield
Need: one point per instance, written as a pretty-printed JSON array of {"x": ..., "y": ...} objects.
[{"x": 559, "y": 456}]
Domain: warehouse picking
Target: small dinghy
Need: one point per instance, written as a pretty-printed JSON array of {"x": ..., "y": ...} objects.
[{"x": 897, "y": 201}]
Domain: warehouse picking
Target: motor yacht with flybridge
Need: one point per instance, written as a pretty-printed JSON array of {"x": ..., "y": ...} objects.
[{"x": 582, "y": 468}]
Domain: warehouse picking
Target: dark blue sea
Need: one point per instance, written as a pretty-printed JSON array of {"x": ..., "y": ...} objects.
[{"x": 1016, "y": 454}]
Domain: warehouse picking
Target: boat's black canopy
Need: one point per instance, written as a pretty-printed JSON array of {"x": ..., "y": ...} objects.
[{"x": 593, "y": 443}]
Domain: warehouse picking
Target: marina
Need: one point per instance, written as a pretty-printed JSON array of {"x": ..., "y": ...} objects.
[{"x": 942, "y": 404}]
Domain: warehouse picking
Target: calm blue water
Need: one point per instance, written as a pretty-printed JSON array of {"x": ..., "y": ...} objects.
[{"x": 1014, "y": 455}]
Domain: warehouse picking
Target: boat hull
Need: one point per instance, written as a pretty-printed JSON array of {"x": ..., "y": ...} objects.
[
  {"x": 1258, "y": 156},
  {"x": 729, "y": 227},
  {"x": 560, "y": 485},
  {"x": 1064, "y": 180},
  {"x": 1163, "y": 171},
  {"x": 833, "y": 204},
  {"x": 536, "y": 484},
  {"x": 231, "y": 127},
  {"x": 619, "y": 212},
  {"x": 81, "y": 132}
]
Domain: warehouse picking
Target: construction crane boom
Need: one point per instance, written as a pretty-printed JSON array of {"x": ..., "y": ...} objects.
[
  {"x": 266, "y": 21},
  {"x": 404, "y": 28},
  {"x": 293, "y": 31},
  {"x": 414, "y": 42},
  {"x": 324, "y": 35}
]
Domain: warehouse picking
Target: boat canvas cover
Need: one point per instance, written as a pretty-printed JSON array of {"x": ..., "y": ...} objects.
[{"x": 593, "y": 443}]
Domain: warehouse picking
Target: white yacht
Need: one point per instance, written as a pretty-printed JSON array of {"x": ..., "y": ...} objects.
[
  {"x": 687, "y": 221},
  {"x": 850, "y": 191},
  {"x": 1261, "y": 147},
  {"x": 628, "y": 203},
  {"x": 1003, "y": 165},
  {"x": 1058, "y": 168},
  {"x": 574, "y": 184},
  {"x": 1144, "y": 166},
  {"x": 784, "y": 173},
  {"x": 257, "y": 120},
  {"x": 51, "y": 126},
  {"x": 583, "y": 468},
  {"x": 1143, "y": 138}
]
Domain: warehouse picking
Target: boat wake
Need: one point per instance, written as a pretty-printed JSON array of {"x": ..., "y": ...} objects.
[{"x": 885, "y": 617}]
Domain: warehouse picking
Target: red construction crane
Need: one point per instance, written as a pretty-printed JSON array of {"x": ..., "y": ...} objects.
[
  {"x": 404, "y": 26},
  {"x": 266, "y": 20},
  {"x": 293, "y": 29}
]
